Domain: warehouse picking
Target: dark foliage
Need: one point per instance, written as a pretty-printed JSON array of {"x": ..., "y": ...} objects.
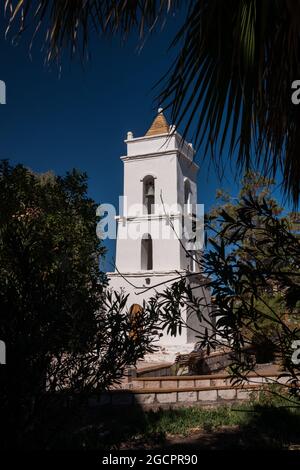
[
  {"x": 252, "y": 264},
  {"x": 66, "y": 335}
]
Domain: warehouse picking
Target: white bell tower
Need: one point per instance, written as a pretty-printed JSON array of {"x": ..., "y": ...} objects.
[{"x": 159, "y": 181}]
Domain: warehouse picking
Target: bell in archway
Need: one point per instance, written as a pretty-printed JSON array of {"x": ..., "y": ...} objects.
[{"x": 150, "y": 189}]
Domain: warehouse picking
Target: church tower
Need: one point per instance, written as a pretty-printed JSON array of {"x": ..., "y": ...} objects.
[{"x": 159, "y": 205}]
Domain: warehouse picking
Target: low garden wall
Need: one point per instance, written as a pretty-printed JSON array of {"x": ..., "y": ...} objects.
[{"x": 181, "y": 391}]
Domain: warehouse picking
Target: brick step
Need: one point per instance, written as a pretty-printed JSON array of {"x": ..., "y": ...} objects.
[
  {"x": 208, "y": 376},
  {"x": 174, "y": 397},
  {"x": 178, "y": 391},
  {"x": 194, "y": 389},
  {"x": 187, "y": 382}
]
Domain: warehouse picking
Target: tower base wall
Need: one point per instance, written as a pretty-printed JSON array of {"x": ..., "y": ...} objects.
[{"x": 141, "y": 286}]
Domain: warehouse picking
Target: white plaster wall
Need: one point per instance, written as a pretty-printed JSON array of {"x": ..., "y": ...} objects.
[
  {"x": 163, "y": 168},
  {"x": 166, "y": 245},
  {"x": 169, "y": 160},
  {"x": 186, "y": 170},
  {"x": 136, "y": 295},
  {"x": 155, "y": 144}
]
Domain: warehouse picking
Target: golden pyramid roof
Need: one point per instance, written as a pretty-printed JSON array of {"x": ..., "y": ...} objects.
[{"x": 159, "y": 125}]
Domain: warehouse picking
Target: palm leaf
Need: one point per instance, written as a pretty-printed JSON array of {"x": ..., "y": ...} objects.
[{"x": 231, "y": 81}]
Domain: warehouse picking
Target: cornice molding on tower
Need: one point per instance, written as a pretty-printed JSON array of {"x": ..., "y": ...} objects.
[
  {"x": 148, "y": 273},
  {"x": 173, "y": 273},
  {"x": 144, "y": 217},
  {"x": 178, "y": 153},
  {"x": 148, "y": 137}
]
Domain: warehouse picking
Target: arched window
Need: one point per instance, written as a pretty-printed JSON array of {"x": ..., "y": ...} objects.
[
  {"x": 148, "y": 194},
  {"x": 146, "y": 253},
  {"x": 191, "y": 260},
  {"x": 187, "y": 196}
]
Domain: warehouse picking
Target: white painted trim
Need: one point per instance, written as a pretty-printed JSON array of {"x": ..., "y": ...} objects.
[
  {"x": 148, "y": 137},
  {"x": 176, "y": 152},
  {"x": 175, "y": 134},
  {"x": 147, "y": 273},
  {"x": 141, "y": 218}
]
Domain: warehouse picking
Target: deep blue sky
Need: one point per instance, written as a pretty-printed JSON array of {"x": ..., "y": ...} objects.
[{"x": 81, "y": 118}]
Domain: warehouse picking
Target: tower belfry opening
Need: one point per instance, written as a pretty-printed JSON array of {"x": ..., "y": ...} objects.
[{"x": 149, "y": 194}]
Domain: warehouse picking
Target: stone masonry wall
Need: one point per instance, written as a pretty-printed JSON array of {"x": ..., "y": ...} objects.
[{"x": 172, "y": 392}]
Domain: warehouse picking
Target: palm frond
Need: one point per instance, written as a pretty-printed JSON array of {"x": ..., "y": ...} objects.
[
  {"x": 69, "y": 23},
  {"x": 231, "y": 80},
  {"x": 232, "y": 83}
]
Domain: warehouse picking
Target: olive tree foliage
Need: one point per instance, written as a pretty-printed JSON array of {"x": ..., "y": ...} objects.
[
  {"x": 256, "y": 283},
  {"x": 65, "y": 333},
  {"x": 251, "y": 264}
]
